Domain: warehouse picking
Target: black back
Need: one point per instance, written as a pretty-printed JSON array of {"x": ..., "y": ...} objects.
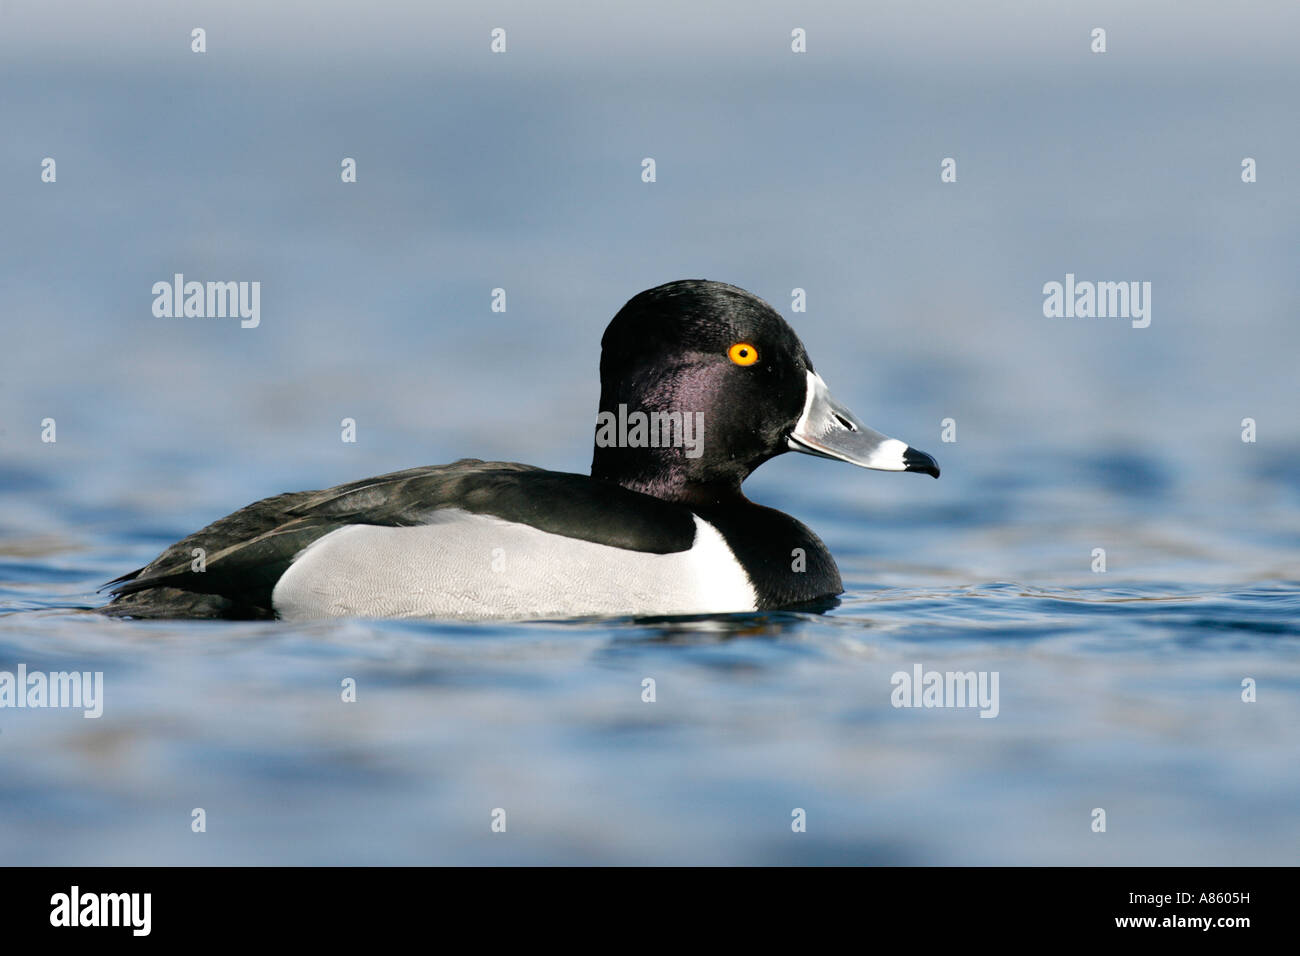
[{"x": 247, "y": 552}]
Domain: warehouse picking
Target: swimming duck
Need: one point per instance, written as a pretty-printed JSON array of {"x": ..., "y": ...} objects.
[{"x": 700, "y": 383}]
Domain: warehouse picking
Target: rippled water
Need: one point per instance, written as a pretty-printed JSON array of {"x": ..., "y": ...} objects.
[
  {"x": 1114, "y": 692},
  {"x": 1120, "y": 690}
]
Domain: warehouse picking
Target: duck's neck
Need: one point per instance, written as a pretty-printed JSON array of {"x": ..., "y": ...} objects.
[{"x": 662, "y": 477}]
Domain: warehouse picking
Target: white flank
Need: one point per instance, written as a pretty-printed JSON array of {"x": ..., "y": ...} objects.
[{"x": 472, "y": 566}]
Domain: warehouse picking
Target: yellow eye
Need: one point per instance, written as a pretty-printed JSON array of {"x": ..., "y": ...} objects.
[{"x": 742, "y": 353}]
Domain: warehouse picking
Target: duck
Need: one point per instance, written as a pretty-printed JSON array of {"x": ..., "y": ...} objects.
[{"x": 701, "y": 383}]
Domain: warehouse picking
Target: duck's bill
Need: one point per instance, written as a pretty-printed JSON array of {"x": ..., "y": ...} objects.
[{"x": 829, "y": 430}]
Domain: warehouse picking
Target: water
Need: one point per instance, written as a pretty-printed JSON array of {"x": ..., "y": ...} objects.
[{"x": 1119, "y": 690}]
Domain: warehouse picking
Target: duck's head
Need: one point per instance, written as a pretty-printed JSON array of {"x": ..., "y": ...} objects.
[{"x": 702, "y": 382}]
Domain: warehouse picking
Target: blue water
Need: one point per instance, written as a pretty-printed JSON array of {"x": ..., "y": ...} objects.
[{"x": 1119, "y": 689}]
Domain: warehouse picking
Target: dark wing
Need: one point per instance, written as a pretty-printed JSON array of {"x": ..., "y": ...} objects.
[
  {"x": 245, "y": 553},
  {"x": 243, "y": 556}
]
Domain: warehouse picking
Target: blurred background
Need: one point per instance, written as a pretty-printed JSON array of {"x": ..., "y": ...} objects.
[{"x": 774, "y": 171}]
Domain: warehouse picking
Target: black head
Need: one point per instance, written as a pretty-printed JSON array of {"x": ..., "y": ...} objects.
[{"x": 702, "y": 382}]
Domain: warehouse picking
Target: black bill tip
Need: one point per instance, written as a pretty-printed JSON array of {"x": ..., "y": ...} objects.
[{"x": 914, "y": 460}]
